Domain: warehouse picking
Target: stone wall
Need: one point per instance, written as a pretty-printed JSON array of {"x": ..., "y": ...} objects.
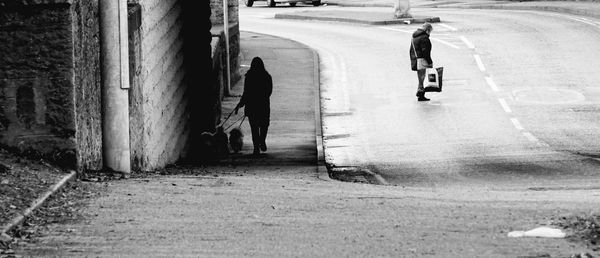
[
  {"x": 49, "y": 81},
  {"x": 50, "y": 84},
  {"x": 87, "y": 82},
  {"x": 217, "y": 11}
]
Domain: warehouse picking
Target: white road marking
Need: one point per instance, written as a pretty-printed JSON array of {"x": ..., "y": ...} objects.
[
  {"x": 504, "y": 105},
  {"x": 467, "y": 42},
  {"x": 530, "y": 137},
  {"x": 543, "y": 144},
  {"x": 492, "y": 84},
  {"x": 264, "y": 15},
  {"x": 436, "y": 39},
  {"x": 399, "y": 30},
  {"x": 517, "y": 124},
  {"x": 448, "y": 27},
  {"x": 446, "y": 43},
  {"x": 479, "y": 63},
  {"x": 581, "y": 20}
]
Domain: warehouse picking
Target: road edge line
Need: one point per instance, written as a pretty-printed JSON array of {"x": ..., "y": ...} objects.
[{"x": 35, "y": 204}]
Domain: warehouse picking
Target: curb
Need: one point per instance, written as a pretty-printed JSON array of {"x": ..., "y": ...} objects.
[
  {"x": 494, "y": 6},
  {"x": 361, "y": 5},
  {"x": 530, "y": 8},
  {"x": 34, "y": 205},
  {"x": 350, "y": 20},
  {"x": 322, "y": 172},
  {"x": 357, "y": 174}
]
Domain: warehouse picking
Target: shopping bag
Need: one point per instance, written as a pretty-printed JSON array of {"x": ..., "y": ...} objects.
[
  {"x": 431, "y": 80},
  {"x": 438, "y": 79}
]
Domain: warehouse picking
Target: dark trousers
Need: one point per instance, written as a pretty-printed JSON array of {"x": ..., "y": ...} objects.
[
  {"x": 259, "y": 132},
  {"x": 421, "y": 78}
]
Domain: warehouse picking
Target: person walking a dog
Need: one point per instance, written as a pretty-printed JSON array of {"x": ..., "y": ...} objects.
[
  {"x": 420, "y": 56},
  {"x": 258, "y": 87}
]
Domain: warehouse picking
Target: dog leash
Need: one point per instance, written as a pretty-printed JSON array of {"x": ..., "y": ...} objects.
[
  {"x": 222, "y": 123},
  {"x": 234, "y": 123}
]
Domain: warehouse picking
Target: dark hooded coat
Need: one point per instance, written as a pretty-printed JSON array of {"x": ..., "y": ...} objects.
[
  {"x": 258, "y": 87},
  {"x": 422, "y": 47}
]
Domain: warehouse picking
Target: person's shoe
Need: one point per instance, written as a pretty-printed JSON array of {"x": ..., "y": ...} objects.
[
  {"x": 421, "y": 97},
  {"x": 263, "y": 146},
  {"x": 256, "y": 152}
]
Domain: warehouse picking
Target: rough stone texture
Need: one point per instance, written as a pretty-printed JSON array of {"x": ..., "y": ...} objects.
[
  {"x": 136, "y": 114},
  {"x": 36, "y": 81},
  {"x": 234, "y": 33},
  {"x": 219, "y": 58},
  {"x": 10, "y": 3},
  {"x": 217, "y": 11},
  {"x": 50, "y": 96},
  {"x": 50, "y": 82},
  {"x": 87, "y": 83}
]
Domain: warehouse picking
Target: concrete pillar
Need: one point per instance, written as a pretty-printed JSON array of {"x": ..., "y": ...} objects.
[
  {"x": 402, "y": 9},
  {"x": 115, "y": 84}
]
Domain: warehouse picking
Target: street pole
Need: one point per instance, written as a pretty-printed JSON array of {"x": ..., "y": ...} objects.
[
  {"x": 226, "y": 27},
  {"x": 115, "y": 85}
]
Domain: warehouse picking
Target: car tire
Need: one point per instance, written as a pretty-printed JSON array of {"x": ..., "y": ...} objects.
[
  {"x": 249, "y": 3},
  {"x": 316, "y": 3},
  {"x": 293, "y": 4},
  {"x": 271, "y": 3}
]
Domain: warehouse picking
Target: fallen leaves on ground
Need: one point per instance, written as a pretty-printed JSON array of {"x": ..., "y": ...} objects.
[
  {"x": 584, "y": 228},
  {"x": 23, "y": 180}
]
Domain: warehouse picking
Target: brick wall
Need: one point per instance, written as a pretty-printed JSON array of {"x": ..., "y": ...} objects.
[{"x": 49, "y": 81}]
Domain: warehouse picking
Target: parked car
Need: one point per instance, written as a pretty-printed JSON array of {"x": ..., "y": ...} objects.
[{"x": 272, "y": 3}]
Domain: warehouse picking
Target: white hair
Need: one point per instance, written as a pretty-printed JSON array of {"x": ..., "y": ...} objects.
[{"x": 427, "y": 27}]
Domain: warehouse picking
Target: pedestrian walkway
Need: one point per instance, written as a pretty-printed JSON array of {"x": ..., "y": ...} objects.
[
  {"x": 279, "y": 206},
  {"x": 294, "y": 104}
]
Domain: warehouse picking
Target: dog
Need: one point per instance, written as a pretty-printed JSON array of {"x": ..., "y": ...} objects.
[
  {"x": 236, "y": 139},
  {"x": 221, "y": 142},
  {"x": 207, "y": 145}
]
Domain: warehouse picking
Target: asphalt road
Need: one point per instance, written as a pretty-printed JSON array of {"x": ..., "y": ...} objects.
[{"x": 520, "y": 104}]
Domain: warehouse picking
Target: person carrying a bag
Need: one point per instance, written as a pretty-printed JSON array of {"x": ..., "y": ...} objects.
[{"x": 420, "y": 56}]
